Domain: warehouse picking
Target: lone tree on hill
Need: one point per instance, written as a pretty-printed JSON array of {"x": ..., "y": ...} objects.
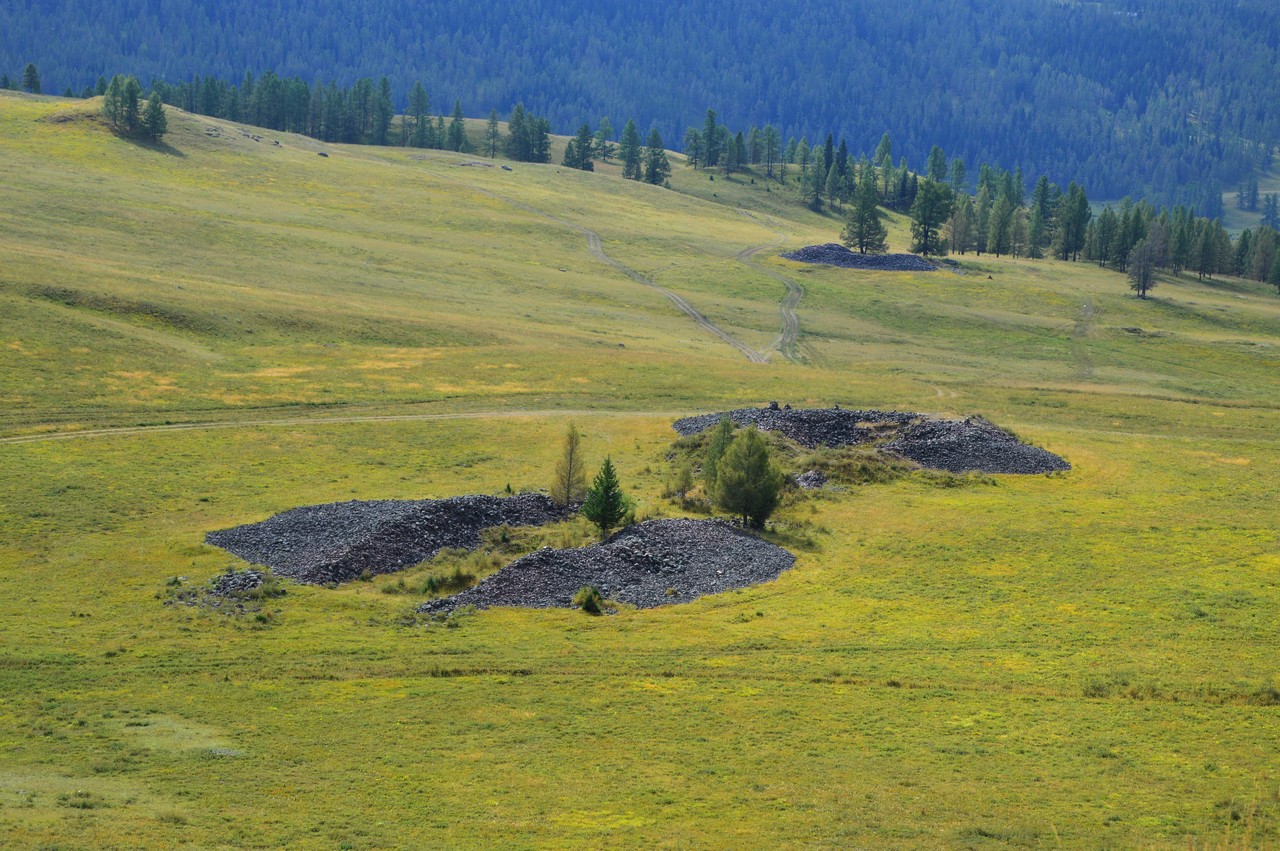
[
  {"x": 747, "y": 483},
  {"x": 932, "y": 207},
  {"x": 864, "y": 228},
  {"x": 605, "y": 505},
  {"x": 570, "y": 483},
  {"x": 154, "y": 121},
  {"x": 1142, "y": 268},
  {"x": 31, "y": 78},
  {"x": 492, "y": 135}
]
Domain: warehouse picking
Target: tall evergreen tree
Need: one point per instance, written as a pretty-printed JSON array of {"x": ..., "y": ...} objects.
[
  {"x": 383, "y": 111},
  {"x": 130, "y": 110},
  {"x": 694, "y": 149},
  {"x": 603, "y": 141},
  {"x": 456, "y": 139},
  {"x": 959, "y": 178},
  {"x": 112, "y": 101},
  {"x": 629, "y": 150},
  {"x": 710, "y": 139},
  {"x": 518, "y": 134},
  {"x": 31, "y": 79},
  {"x": 656, "y": 167},
  {"x": 154, "y": 121},
  {"x": 420, "y": 111},
  {"x": 864, "y": 226},
  {"x": 960, "y": 226},
  {"x": 931, "y": 209},
  {"x": 605, "y": 505},
  {"x": 1142, "y": 268},
  {"x": 577, "y": 154},
  {"x": 492, "y": 135},
  {"x": 884, "y": 149},
  {"x": 747, "y": 483},
  {"x": 937, "y": 167}
]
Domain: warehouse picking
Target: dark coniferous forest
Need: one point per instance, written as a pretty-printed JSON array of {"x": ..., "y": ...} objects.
[{"x": 1167, "y": 100}]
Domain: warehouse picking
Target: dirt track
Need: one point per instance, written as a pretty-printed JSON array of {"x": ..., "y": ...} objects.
[
  {"x": 596, "y": 247},
  {"x": 788, "y": 340}
]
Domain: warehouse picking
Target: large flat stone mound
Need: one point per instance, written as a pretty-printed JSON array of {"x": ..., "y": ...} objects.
[
  {"x": 339, "y": 541},
  {"x": 656, "y": 563}
]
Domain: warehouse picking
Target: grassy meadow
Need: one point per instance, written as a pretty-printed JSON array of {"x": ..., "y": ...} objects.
[{"x": 206, "y": 332}]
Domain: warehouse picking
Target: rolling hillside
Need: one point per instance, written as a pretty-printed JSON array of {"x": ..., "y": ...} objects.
[{"x": 203, "y": 333}]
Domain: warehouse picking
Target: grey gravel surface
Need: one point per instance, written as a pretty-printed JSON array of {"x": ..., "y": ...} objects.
[
  {"x": 834, "y": 254},
  {"x": 339, "y": 541},
  {"x": 656, "y": 563},
  {"x": 810, "y": 427},
  {"x": 957, "y": 446},
  {"x": 962, "y": 446},
  {"x": 812, "y": 480}
]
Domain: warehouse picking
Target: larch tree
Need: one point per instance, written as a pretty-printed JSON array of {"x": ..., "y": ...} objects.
[
  {"x": 602, "y": 142},
  {"x": 569, "y": 486},
  {"x": 492, "y": 135},
  {"x": 1142, "y": 268}
]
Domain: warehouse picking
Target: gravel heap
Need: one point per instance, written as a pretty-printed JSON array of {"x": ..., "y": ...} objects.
[
  {"x": 339, "y": 541},
  {"x": 834, "y": 254},
  {"x": 810, "y": 428},
  {"x": 957, "y": 446},
  {"x": 656, "y": 563},
  {"x": 960, "y": 446},
  {"x": 811, "y": 480}
]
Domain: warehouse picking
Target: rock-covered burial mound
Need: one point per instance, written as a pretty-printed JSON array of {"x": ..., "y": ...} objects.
[
  {"x": 960, "y": 446},
  {"x": 811, "y": 427},
  {"x": 656, "y": 563},
  {"x": 834, "y": 254},
  {"x": 957, "y": 446},
  {"x": 339, "y": 541}
]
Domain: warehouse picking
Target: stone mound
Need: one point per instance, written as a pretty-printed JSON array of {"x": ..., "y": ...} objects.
[
  {"x": 656, "y": 563},
  {"x": 811, "y": 428},
  {"x": 338, "y": 542},
  {"x": 834, "y": 254},
  {"x": 956, "y": 446},
  {"x": 962, "y": 446}
]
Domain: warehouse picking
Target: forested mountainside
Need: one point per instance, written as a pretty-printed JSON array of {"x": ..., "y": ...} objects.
[{"x": 1171, "y": 100}]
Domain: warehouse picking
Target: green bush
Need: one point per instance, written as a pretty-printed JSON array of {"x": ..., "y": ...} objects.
[{"x": 589, "y": 600}]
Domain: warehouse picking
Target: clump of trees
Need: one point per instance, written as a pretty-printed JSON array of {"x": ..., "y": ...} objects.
[{"x": 122, "y": 105}]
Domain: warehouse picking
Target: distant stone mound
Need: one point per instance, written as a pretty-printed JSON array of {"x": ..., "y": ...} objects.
[
  {"x": 339, "y": 541},
  {"x": 810, "y": 427},
  {"x": 834, "y": 254},
  {"x": 656, "y": 563},
  {"x": 956, "y": 446}
]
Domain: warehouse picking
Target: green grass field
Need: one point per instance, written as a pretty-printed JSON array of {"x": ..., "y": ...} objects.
[{"x": 205, "y": 333}]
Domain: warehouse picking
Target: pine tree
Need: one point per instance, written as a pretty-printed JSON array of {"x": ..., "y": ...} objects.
[
  {"x": 154, "y": 121},
  {"x": 605, "y": 505},
  {"x": 492, "y": 135},
  {"x": 937, "y": 168},
  {"x": 656, "y": 167},
  {"x": 1142, "y": 268},
  {"x": 959, "y": 178},
  {"x": 864, "y": 228},
  {"x": 982, "y": 217},
  {"x": 772, "y": 149},
  {"x": 603, "y": 141},
  {"x": 577, "y": 154},
  {"x": 694, "y": 149},
  {"x": 1271, "y": 211},
  {"x": 456, "y": 138},
  {"x": 420, "y": 109},
  {"x": 1274, "y": 277},
  {"x": 112, "y": 101},
  {"x": 129, "y": 107},
  {"x": 747, "y": 483},
  {"x": 5, "y": 82},
  {"x": 884, "y": 149},
  {"x": 932, "y": 207},
  {"x": 960, "y": 226},
  {"x": 518, "y": 134},
  {"x": 710, "y": 138},
  {"x": 31, "y": 78},
  {"x": 629, "y": 150},
  {"x": 999, "y": 226},
  {"x": 570, "y": 484}
]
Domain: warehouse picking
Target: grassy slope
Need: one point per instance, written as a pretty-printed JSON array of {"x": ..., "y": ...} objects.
[{"x": 1070, "y": 660}]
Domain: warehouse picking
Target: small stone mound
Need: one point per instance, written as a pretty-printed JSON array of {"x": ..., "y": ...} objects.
[
  {"x": 656, "y": 563},
  {"x": 338, "y": 542},
  {"x": 811, "y": 480},
  {"x": 810, "y": 428},
  {"x": 834, "y": 254},
  {"x": 235, "y": 582},
  {"x": 962, "y": 446}
]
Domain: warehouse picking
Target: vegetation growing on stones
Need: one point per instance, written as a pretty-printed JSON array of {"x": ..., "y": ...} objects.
[{"x": 747, "y": 484}]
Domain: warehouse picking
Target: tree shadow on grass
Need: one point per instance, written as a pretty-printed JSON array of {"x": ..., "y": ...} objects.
[{"x": 159, "y": 146}]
